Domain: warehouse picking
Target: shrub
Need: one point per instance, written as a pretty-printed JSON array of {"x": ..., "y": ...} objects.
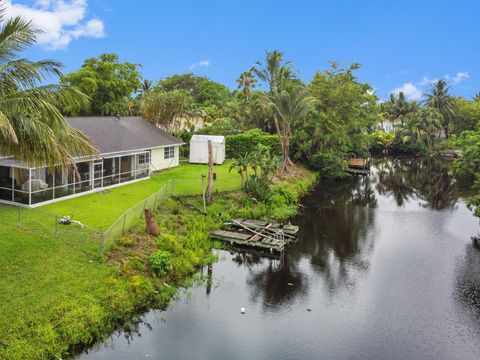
[
  {"x": 247, "y": 142},
  {"x": 259, "y": 188},
  {"x": 289, "y": 195},
  {"x": 161, "y": 262}
]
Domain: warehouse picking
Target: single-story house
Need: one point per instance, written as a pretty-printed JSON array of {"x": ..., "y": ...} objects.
[{"x": 130, "y": 149}]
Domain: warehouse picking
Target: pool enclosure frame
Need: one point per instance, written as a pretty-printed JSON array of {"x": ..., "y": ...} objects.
[{"x": 35, "y": 186}]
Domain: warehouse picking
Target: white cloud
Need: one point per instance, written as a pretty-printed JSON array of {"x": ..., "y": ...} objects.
[
  {"x": 60, "y": 20},
  {"x": 201, "y": 64},
  {"x": 427, "y": 81},
  {"x": 411, "y": 91},
  {"x": 459, "y": 77}
]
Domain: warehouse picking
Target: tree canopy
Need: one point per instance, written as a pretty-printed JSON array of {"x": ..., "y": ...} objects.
[{"x": 109, "y": 83}]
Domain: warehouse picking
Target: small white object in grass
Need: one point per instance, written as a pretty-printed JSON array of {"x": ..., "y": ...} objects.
[{"x": 242, "y": 310}]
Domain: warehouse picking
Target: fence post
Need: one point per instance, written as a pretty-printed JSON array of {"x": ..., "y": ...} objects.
[
  {"x": 56, "y": 226},
  {"x": 144, "y": 206},
  {"x": 102, "y": 239},
  {"x": 124, "y": 218},
  {"x": 19, "y": 215},
  {"x": 203, "y": 194},
  {"x": 155, "y": 201},
  {"x": 173, "y": 186}
]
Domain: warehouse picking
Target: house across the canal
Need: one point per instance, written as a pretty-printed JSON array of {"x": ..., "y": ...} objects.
[{"x": 130, "y": 149}]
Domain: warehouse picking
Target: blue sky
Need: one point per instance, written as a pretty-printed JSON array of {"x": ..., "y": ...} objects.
[{"x": 400, "y": 44}]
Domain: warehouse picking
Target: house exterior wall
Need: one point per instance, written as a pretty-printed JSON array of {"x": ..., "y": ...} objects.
[{"x": 158, "y": 161}]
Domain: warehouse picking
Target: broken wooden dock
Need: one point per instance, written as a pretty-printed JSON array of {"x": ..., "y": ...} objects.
[{"x": 271, "y": 236}]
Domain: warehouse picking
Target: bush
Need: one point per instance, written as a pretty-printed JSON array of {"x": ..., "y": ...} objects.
[
  {"x": 329, "y": 163},
  {"x": 240, "y": 144},
  {"x": 160, "y": 262},
  {"x": 289, "y": 195},
  {"x": 259, "y": 188},
  {"x": 410, "y": 147}
]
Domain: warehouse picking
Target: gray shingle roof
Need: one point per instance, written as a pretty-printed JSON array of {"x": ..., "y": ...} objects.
[{"x": 110, "y": 135}]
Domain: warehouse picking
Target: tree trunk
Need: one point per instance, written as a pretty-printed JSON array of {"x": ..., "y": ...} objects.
[
  {"x": 151, "y": 225},
  {"x": 210, "y": 173},
  {"x": 285, "y": 141}
]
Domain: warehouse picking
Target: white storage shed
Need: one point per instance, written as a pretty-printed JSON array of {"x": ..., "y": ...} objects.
[{"x": 199, "y": 149}]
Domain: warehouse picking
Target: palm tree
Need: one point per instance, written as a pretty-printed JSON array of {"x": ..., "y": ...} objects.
[
  {"x": 241, "y": 163},
  {"x": 276, "y": 72},
  {"x": 146, "y": 85},
  {"x": 439, "y": 99},
  {"x": 476, "y": 97},
  {"x": 32, "y": 128},
  {"x": 292, "y": 104},
  {"x": 423, "y": 127},
  {"x": 246, "y": 81},
  {"x": 398, "y": 108}
]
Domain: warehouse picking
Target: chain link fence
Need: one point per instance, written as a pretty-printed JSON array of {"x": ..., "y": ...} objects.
[
  {"x": 52, "y": 225},
  {"x": 47, "y": 224}
]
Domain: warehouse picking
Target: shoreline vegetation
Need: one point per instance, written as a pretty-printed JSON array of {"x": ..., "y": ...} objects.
[{"x": 61, "y": 298}]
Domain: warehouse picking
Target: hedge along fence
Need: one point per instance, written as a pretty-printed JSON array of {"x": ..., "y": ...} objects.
[{"x": 247, "y": 142}]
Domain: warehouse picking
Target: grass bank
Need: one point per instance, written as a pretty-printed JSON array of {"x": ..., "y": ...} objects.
[{"x": 58, "y": 295}]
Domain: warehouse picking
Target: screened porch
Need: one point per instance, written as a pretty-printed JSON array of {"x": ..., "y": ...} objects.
[{"x": 32, "y": 186}]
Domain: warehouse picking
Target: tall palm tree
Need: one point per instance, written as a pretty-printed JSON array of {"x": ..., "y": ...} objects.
[
  {"x": 276, "y": 72},
  {"x": 476, "y": 97},
  {"x": 398, "y": 108},
  {"x": 439, "y": 99},
  {"x": 246, "y": 81},
  {"x": 292, "y": 104},
  {"x": 32, "y": 128}
]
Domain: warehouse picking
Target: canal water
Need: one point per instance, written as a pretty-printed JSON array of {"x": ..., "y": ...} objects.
[{"x": 384, "y": 269}]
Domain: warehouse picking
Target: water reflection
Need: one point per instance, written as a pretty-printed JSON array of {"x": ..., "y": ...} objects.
[
  {"x": 338, "y": 226},
  {"x": 430, "y": 180}
]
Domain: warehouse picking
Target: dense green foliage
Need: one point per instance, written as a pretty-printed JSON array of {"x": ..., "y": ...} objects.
[
  {"x": 345, "y": 112},
  {"x": 246, "y": 142},
  {"x": 179, "y": 101},
  {"x": 109, "y": 84},
  {"x": 160, "y": 262},
  {"x": 382, "y": 141},
  {"x": 467, "y": 117},
  {"x": 422, "y": 127},
  {"x": 468, "y": 166}
]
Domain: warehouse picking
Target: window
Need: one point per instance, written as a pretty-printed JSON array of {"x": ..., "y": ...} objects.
[
  {"x": 169, "y": 152},
  {"x": 144, "y": 158}
]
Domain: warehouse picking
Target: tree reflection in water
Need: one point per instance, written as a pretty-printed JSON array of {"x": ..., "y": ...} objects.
[
  {"x": 429, "y": 180},
  {"x": 337, "y": 227}
]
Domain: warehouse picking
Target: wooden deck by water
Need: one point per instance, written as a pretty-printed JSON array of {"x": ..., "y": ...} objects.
[{"x": 257, "y": 234}]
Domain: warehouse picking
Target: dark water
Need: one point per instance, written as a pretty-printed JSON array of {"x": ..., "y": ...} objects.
[{"x": 384, "y": 269}]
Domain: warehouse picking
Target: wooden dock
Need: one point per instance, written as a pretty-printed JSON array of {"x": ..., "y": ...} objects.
[
  {"x": 359, "y": 166},
  {"x": 257, "y": 224},
  {"x": 261, "y": 235}
]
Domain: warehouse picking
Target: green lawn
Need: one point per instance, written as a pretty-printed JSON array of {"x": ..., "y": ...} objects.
[
  {"x": 56, "y": 292},
  {"x": 100, "y": 210}
]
